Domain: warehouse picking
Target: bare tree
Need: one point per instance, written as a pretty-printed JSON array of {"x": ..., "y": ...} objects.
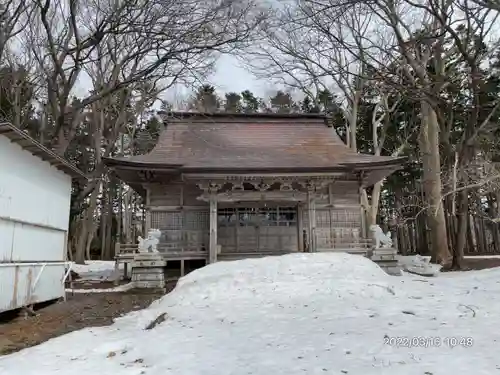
[
  {"x": 380, "y": 124},
  {"x": 326, "y": 39},
  {"x": 170, "y": 39},
  {"x": 14, "y": 15},
  {"x": 473, "y": 41},
  {"x": 311, "y": 46},
  {"x": 107, "y": 118},
  {"x": 419, "y": 38}
]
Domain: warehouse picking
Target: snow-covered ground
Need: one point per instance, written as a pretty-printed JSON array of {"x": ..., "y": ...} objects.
[
  {"x": 96, "y": 270},
  {"x": 296, "y": 314},
  {"x": 117, "y": 289}
]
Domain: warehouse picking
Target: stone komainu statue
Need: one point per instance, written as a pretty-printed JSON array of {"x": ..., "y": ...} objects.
[
  {"x": 150, "y": 243},
  {"x": 381, "y": 239}
]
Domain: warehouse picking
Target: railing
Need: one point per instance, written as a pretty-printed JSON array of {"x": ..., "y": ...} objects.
[
  {"x": 177, "y": 245},
  {"x": 170, "y": 248},
  {"x": 356, "y": 246}
]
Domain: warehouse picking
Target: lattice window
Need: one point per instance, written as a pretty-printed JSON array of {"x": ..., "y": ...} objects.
[
  {"x": 170, "y": 220},
  {"x": 264, "y": 216},
  {"x": 197, "y": 220},
  {"x": 180, "y": 220},
  {"x": 286, "y": 216},
  {"x": 323, "y": 219},
  {"x": 226, "y": 217},
  {"x": 336, "y": 226},
  {"x": 182, "y": 228}
]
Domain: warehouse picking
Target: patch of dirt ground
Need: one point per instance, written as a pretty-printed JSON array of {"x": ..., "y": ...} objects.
[
  {"x": 79, "y": 311},
  {"x": 93, "y": 284},
  {"x": 481, "y": 263}
]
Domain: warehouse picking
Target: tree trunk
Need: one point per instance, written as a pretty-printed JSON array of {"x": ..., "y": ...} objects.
[
  {"x": 87, "y": 228},
  {"x": 353, "y": 126},
  {"x": 108, "y": 244},
  {"x": 429, "y": 147},
  {"x": 463, "y": 205},
  {"x": 461, "y": 235},
  {"x": 493, "y": 204},
  {"x": 104, "y": 219},
  {"x": 127, "y": 217},
  {"x": 375, "y": 202},
  {"x": 77, "y": 241}
]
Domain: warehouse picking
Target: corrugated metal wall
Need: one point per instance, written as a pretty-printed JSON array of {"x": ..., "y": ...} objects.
[
  {"x": 24, "y": 242},
  {"x": 24, "y": 284},
  {"x": 34, "y": 219}
]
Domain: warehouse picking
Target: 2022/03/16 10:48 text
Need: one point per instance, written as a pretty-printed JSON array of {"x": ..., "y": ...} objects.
[{"x": 429, "y": 341}]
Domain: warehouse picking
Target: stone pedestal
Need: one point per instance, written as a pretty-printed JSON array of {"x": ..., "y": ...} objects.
[
  {"x": 387, "y": 259},
  {"x": 148, "y": 271}
]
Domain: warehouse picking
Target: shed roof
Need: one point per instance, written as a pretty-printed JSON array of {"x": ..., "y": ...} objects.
[
  {"x": 31, "y": 145},
  {"x": 223, "y": 141}
]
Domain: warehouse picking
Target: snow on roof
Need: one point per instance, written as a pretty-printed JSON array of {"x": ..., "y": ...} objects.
[{"x": 295, "y": 314}]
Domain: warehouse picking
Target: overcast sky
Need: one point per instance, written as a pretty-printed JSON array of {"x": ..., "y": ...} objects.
[{"x": 229, "y": 77}]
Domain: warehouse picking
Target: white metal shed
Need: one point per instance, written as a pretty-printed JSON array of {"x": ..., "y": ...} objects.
[{"x": 35, "y": 198}]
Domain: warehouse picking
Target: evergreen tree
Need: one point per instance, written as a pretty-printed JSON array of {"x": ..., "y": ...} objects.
[
  {"x": 251, "y": 103},
  {"x": 233, "y": 102},
  {"x": 205, "y": 100},
  {"x": 283, "y": 103}
]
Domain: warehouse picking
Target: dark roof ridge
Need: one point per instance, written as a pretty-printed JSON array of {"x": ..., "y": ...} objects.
[{"x": 185, "y": 114}]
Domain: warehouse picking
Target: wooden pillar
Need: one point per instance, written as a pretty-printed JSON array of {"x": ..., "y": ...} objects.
[
  {"x": 364, "y": 229},
  {"x": 236, "y": 229},
  {"x": 212, "y": 258},
  {"x": 300, "y": 227},
  {"x": 313, "y": 232},
  {"x": 116, "y": 276},
  {"x": 311, "y": 210},
  {"x": 331, "y": 221},
  {"x": 148, "y": 212}
]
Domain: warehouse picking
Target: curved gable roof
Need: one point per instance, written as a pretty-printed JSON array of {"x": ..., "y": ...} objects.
[{"x": 251, "y": 141}]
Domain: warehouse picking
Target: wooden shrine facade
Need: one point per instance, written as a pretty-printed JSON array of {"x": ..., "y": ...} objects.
[
  {"x": 240, "y": 216},
  {"x": 234, "y": 186}
]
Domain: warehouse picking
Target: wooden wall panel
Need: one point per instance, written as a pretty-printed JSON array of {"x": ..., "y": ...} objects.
[
  {"x": 344, "y": 193},
  {"x": 165, "y": 195},
  {"x": 190, "y": 193},
  {"x": 340, "y": 221}
]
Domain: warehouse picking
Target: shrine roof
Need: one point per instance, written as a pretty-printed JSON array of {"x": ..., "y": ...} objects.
[{"x": 236, "y": 141}]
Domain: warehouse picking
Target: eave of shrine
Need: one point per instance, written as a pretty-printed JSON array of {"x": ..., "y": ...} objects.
[{"x": 139, "y": 176}]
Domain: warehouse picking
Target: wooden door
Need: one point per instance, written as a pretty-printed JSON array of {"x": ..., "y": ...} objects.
[{"x": 258, "y": 229}]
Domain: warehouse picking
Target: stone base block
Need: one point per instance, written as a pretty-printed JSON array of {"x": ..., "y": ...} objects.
[
  {"x": 387, "y": 259},
  {"x": 149, "y": 260},
  {"x": 149, "y": 285},
  {"x": 148, "y": 271},
  {"x": 392, "y": 270},
  {"x": 148, "y": 275}
]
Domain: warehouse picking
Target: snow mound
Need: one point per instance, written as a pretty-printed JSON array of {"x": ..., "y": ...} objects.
[
  {"x": 284, "y": 277},
  {"x": 234, "y": 289},
  {"x": 291, "y": 315},
  {"x": 302, "y": 265}
]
